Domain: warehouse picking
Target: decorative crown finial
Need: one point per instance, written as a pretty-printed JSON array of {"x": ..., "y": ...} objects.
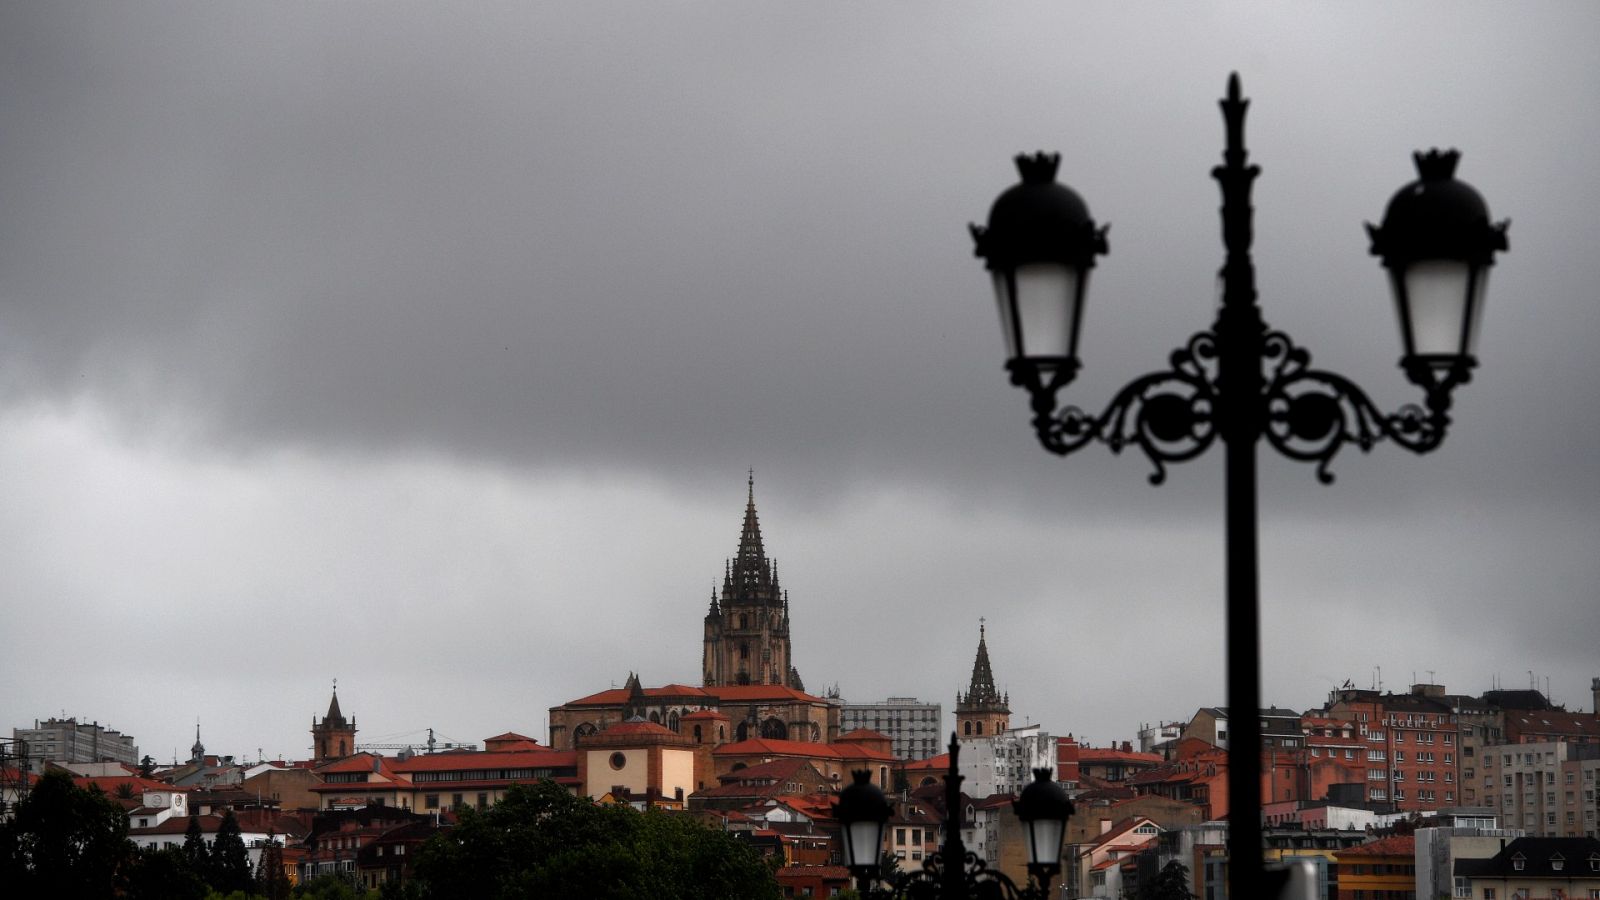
[
  {"x": 1436, "y": 164},
  {"x": 1040, "y": 168}
]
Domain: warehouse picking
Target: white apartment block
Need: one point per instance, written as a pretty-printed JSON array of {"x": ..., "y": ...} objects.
[
  {"x": 1004, "y": 763},
  {"x": 913, "y": 728}
]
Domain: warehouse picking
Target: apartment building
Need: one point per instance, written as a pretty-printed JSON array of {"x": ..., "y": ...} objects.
[{"x": 1548, "y": 789}]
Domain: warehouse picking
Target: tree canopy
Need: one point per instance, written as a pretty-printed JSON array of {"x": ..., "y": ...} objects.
[
  {"x": 64, "y": 841},
  {"x": 1171, "y": 883},
  {"x": 540, "y": 841}
]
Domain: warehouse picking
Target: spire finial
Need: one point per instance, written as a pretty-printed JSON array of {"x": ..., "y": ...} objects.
[{"x": 750, "y": 483}]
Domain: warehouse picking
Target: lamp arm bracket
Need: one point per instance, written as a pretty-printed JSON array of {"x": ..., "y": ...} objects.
[
  {"x": 1311, "y": 414},
  {"x": 929, "y": 882},
  {"x": 1168, "y": 415}
]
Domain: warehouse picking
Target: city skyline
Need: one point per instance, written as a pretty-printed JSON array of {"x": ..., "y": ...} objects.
[{"x": 429, "y": 352}]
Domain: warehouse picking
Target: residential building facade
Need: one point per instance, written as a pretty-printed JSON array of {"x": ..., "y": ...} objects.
[
  {"x": 70, "y": 741},
  {"x": 914, "y": 728}
]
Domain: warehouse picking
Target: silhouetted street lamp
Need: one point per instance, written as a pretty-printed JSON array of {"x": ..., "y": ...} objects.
[
  {"x": 1239, "y": 381},
  {"x": 952, "y": 873}
]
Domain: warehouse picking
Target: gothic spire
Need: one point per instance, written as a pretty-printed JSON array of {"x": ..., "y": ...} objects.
[
  {"x": 750, "y": 576},
  {"x": 197, "y": 753},
  {"x": 981, "y": 692}
]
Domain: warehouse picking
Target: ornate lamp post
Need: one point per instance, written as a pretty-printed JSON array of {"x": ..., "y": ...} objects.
[
  {"x": 1240, "y": 381},
  {"x": 952, "y": 873}
]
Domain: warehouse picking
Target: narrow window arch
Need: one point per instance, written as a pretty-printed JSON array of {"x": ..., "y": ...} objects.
[{"x": 966, "y": 728}]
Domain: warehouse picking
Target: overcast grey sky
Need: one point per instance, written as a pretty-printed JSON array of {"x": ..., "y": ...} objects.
[{"x": 426, "y": 346}]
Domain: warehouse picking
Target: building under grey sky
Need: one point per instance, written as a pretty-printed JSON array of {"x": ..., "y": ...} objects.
[{"x": 426, "y": 348}]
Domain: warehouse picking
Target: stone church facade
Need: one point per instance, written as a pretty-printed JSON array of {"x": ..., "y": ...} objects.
[{"x": 750, "y": 688}]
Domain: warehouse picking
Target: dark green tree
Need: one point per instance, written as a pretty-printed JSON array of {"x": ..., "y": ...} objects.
[
  {"x": 540, "y": 841},
  {"x": 194, "y": 848},
  {"x": 230, "y": 864},
  {"x": 147, "y": 767},
  {"x": 329, "y": 886},
  {"x": 1171, "y": 883},
  {"x": 164, "y": 875},
  {"x": 271, "y": 882},
  {"x": 64, "y": 841}
]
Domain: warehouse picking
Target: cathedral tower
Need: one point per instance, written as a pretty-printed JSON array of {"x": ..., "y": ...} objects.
[
  {"x": 333, "y": 738},
  {"x": 982, "y": 711},
  {"x": 747, "y": 627}
]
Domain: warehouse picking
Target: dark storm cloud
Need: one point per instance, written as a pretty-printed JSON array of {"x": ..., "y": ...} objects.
[{"x": 654, "y": 246}]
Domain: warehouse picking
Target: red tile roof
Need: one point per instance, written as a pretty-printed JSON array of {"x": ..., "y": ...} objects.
[
  {"x": 863, "y": 734},
  {"x": 1394, "y": 845},
  {"x": 1088, "y": 755},
  {"x": 744, "y": 693},
  {"x": 769, "y": 746},
  {"x": 940, "y": 762},
  {"x": 542, "y": 758},
  {"x": 111, "y": 783},
  {"x": 619, "y": 696},
  {"x": 622, "y": 729},
  {"x": 511, "y": 736}
]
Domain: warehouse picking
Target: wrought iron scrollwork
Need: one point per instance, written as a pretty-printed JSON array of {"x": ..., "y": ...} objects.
[
  {"x": 1307, "y": 414},
  {"x": 1311, "y": 414},
  {"x": 931, "y": 880},
  {"x": 982, "y": 882},
  {"x": 1169, "y": 416}
]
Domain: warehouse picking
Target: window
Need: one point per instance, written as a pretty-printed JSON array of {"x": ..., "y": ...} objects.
[{"x": 430, "y": 801}]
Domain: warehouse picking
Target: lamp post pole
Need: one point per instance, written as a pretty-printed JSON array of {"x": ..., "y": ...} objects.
[
  {"x": 1241, "y": 382},
  {"x": 1239, "y": 330}
]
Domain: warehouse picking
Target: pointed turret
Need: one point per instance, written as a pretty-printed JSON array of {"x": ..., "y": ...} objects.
[
  {"x": 334, "y": 715},
  {"x": 982, "y": 711},
  {"x": 197, "y": 753},
  {"x": 636, "y": 702}
]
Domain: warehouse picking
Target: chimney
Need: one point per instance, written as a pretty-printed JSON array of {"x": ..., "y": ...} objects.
[{"x": 1594, "y": 688}]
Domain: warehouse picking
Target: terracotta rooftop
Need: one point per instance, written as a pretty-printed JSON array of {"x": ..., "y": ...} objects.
[
  {"x": 619, "y": 696},
  {"x": 764, "y": 746},
  {"x": 1394, "y": 845}
]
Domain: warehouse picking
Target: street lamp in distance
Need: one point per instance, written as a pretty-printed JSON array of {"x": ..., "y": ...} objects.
[{"x": 952, "y": 873}]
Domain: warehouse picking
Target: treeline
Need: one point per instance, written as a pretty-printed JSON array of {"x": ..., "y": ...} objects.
[{"x": 539, "y": 841}]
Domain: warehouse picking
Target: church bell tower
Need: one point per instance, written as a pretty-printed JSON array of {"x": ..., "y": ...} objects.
[
  {"x": 982, "y": 711},
  {"x": 334, "y": 737},
  {"x": 747, "y": 627}
]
